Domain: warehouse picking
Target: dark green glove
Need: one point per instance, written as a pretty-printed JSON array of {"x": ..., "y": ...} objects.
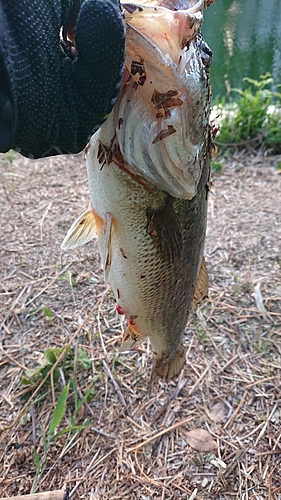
[{"x": 52, "y": 96}]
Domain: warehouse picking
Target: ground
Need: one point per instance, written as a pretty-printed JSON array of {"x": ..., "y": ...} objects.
[{"x": 138, "y": 445}]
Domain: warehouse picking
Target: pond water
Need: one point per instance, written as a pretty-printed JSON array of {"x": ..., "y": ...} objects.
[{"x": 245, "y": 36}]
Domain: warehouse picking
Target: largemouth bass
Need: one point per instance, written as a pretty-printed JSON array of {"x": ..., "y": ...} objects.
[{"x": 148, "y": 172}]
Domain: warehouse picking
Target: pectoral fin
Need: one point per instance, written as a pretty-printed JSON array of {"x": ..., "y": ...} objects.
[
  {"x": 107, "y": 246},
  {"x": 164, "y": 227},
  {"x": 202, "y": 286},
  {"x": 84, "y": 229}
]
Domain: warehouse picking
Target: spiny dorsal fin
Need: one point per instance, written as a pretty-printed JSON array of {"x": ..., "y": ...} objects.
[
  {"x": 202, "y": 286},
  {"x": 83, "y": 229}
]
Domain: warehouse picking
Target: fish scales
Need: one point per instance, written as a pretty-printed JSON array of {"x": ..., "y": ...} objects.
[{"x": 151, "y": 238}]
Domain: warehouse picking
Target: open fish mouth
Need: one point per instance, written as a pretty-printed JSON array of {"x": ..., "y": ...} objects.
[{"x": 165, "y": 97}]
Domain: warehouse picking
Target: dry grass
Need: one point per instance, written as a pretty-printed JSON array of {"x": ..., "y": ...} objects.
[{"x": 136, "y": 444}]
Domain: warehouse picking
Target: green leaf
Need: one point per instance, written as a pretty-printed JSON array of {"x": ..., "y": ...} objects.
[
  {"x": 83, "y": 359},
  {"x": 72, "y": 428},
  {"x": 50, "y": 356},
  {"x": 44, "y": 440},
  {"x": 36, "y": 460},
  {"x": 47, "y": 311},
  {"x": 59, "y": 410}
]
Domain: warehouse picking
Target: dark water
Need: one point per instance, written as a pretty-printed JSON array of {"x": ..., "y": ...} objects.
[{"x": 245, "y": 36}]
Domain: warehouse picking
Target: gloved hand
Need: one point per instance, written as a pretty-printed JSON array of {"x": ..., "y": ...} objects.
[{"x": 54, "y": 96}]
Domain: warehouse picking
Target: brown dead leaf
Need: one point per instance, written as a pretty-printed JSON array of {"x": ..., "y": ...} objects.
[
  {"x": 218, "y": 412},
  {"x": 200, "y": 440}
]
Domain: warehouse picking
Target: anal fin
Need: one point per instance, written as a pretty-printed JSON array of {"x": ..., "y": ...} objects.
[
  {"x": 131, "y": 339},
  {"x": 84, "y": 228}
]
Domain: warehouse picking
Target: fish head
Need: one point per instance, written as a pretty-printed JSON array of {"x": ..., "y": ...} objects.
[{"x": 160, "y": 121}]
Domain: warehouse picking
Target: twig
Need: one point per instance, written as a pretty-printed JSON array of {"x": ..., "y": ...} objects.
[
  {"x": 235, "y": 413},
  {"x": 49, "y": 284},
  {"x": 45, "y": 495},
  {"x": 161, "y": 433},
  {"x": 266, "y": 423},
  {"x": 117, "y": 388},
  {"x": 199, "y": 380},
  {"x": 12, "y": 359}
]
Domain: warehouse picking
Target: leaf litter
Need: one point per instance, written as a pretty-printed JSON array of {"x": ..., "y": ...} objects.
[{"x": 136, "y": 445}]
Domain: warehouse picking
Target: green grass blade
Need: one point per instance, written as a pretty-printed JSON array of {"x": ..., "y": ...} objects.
[{"x": 59, "y": 410}]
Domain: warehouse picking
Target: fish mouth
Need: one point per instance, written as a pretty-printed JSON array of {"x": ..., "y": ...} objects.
[{"x": 170, "y": 25}]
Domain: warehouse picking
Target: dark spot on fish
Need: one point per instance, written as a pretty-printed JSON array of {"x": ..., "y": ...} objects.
[
  {"x": 164, "y": 133},
  {"x": 123, "y": 253},
  {"x": 137, "y": 68},
  {"x": 165, "y": 99},
  {"x": 118, "y": 293},
  {"x": 120, "y": 121},
  {"x": 142, "y": 276},
  {"x": 104, "y": 154},
  {"x": 81, "y": 222}
]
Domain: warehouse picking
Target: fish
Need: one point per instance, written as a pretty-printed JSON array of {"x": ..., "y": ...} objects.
[{"x": 148, "y": 172}]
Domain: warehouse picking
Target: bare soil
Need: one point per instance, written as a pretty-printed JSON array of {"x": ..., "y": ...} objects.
[{"x": 137, "y": 445}]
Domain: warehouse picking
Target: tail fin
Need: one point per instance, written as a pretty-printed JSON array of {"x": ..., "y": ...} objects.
[{"x": 169, "y": 367}]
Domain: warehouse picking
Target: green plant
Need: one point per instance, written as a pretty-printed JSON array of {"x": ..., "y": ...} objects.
[
  {"x": 255, "y": 116},
  {"x": 52, "y": 435},
  {"x": 216, "y": 166},
  {"x": 35, "y": 375}
]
